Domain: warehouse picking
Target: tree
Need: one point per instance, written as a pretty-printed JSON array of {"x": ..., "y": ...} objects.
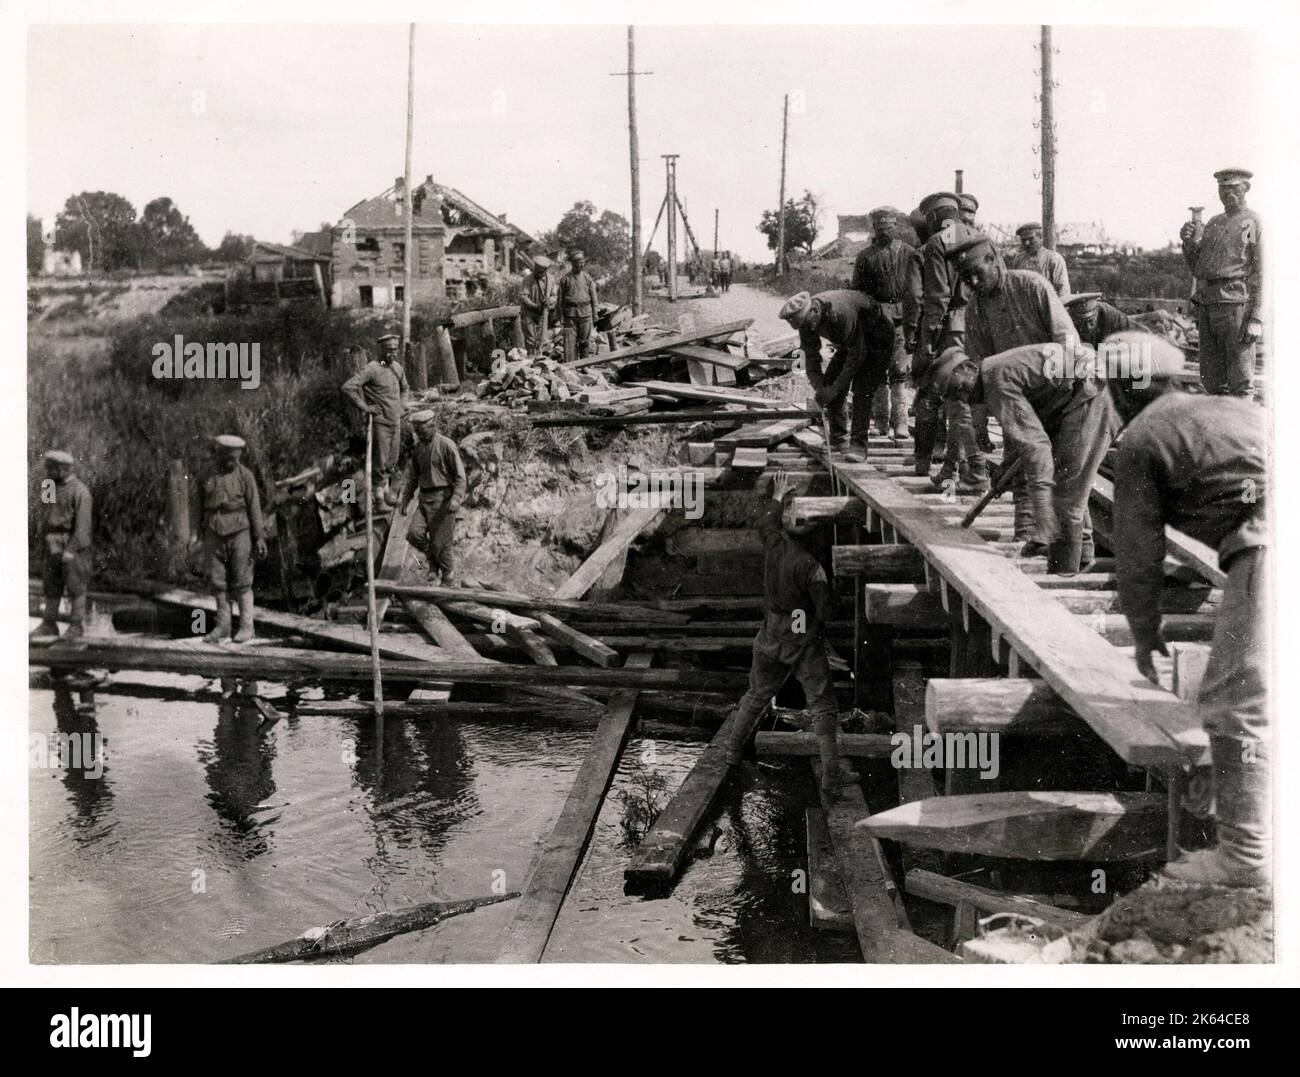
[
  {"x": 169, "y": 238},
  {"x": 233, "y": 248},
  {"x": 101, "y": 225},
  {"x": 35, "y": 246},
  {"x": 802, "y": 223},
  {"x": 605, "y": 240}
]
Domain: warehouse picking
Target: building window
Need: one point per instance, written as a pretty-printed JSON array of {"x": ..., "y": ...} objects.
[
  {"x": 399, "y": 254},
  {"x": 369, "y": 245},
  {"x": 367, "y": 295},
  {"x": 399, "y": 293}
]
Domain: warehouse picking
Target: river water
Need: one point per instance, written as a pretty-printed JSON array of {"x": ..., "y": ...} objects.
[{"x": 210, "y": 833}]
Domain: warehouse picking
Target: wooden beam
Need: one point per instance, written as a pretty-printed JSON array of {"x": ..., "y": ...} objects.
[
  {"x": 1045, "y": 825},
  {"x": 662, "y": 344},
  {"x": 119, "y": 652},
  {"x": 828, "y": 908},
  {"x": 763, "y": 435},
  {"x": 826, "y": 510},
  {"x": 615, "y": 546},
  {"x": 591, "y": 649},
  {"x": 1182, "y": 548},
  {"x": 558, "y": 860},
  {"x": 714, "y": 356},
  {"x": 478, "y": 317},
  {"x": 895, "y": 563},
  {"x": 513, "y": 600},
  {"x": 862, "y": 877},
  {"x": 905, "y": 605},
  {"x": 998, "y": 705},
  {"x": 1144, "y": 725},
  {"x": 852, "y": 745},
  {"x": 661, "y": 418},
  {"x": 659, "y": 857},
  {"x": 708, "y": 394},
  {"x": 939, "y": 888}
]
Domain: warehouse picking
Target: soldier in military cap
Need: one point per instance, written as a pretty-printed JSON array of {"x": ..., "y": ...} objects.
[
  {"x": 943, "y": 325},
  {"x": 232, "y": 530},
  {"x": 436, "y": 473},
  {"x": 863, "y": 335},
  {"x": 889, "y": 271},
  {"x": 1095, "y": 320},
  {"x": 577, "y": 301},
  {"x": 1039, "y": 259},
  {"x": 380, "y": 391},
  {"x": 969, "y": 207},
  {"x": 536, "y": 304},
  {"x": 67, "y": 525},
  {"x": 1225, "y": 258}
]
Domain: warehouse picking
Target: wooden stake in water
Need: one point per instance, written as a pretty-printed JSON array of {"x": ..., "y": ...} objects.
[{"x": 373, "y": 616}]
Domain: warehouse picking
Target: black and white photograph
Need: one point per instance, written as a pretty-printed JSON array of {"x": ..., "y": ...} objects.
[{"x": 686, "y": 495}]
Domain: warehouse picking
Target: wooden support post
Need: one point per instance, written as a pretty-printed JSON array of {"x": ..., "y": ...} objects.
[
  {"x": 518, "y": 326},
  {"x": 178, "y": 505},
  {"x": 417, "y": 371},
  {"x": 446, "y": 356},
  {"x": 873, "y": 679},
  {"x": 549, "y": 883}
]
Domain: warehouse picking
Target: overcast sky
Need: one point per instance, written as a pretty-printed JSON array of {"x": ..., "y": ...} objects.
[{"x": 267, "y": 129}]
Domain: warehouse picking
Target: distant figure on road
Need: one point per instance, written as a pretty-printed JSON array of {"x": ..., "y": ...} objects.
[
  {"x": 577, "y": 302},
  {"x": 1033, "y": 255},
  {"x": 724, "y": 271},
  {"x": 1224, "y": 256}
]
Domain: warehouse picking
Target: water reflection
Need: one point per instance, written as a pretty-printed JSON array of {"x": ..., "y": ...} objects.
[
  {"x": 238, "y": 766},
  {"x": 78, "y": 751}
]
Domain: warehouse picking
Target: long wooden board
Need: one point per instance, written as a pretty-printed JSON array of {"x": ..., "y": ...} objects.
[
  {"x": 558, "y": 862},
  {"x": 858, "y": 862},
  {"x": 680, "y": 391},
  {"x": 661, "y": 853},
  {"x": 616, "y": 545},
  {"x": 699, "y": 354},
  {"x": 828, "y": 908},
  {"x": 935, "y": 887},
  {"x": 1144, "y": 725},
  {"x": 1044, "y": 825},
  {"x": 661, "y": 344},
  {"x": 513, "y": 600}
]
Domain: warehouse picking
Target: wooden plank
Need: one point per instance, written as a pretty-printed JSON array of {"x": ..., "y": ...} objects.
[
  {"x": 514, "y": 710},
  {"x": 549, "y": 882},
  {"x": 349, "y": 637},
  {"x": 536, "y": 647},
  {"x": 393, "y": 564},
  {"x": 119, "y": 652},
  {"x": 1182, "y": 548},
  {"x": 623, "y": 535},
  {"x": 826, "y": 510},
  {"x": 678, "y": 391},
  {"x": 1144, "y": 725},
  {"x": 434, "y": 622},
  {"x": 939, "y": 888},
  {"x": 591, "y": 649},
  {"x": 745, "y": 459},
  {"x": 658, "y": 858},
  {"x": 893, "y": 563},
  {"x": 763, "y": 435},
  {"x": 862, "y": 878},
  {"x": 852, "y": 745},
  {"x": 498, "y": 619},
  {"x": 665, "y": 417},
  {"x": 660, "y": 344},
  {"x": 828, "y": 908},
  {"x": 699, "y": 354},
  {"x": 513, "y": 600},
  {"x": 1045, "y": 825}
]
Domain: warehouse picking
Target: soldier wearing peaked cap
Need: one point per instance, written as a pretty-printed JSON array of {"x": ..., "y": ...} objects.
[
  {"x": 379, "y": 390},
  {"x": 969, "y": 206},
  {"x": 537, "y": 304},
  {"x": 577, "y": 301},
  {"x": 889, "y": 271},
  {"x": 1095, "y": 320},
  {"x": 1226, "y": 259},
  {"x": 232, "y": 529},
  {"x": 1039, "y": 259},
  {"x": 67, "y": 529},
  {"x": 863, "y": 335},
  {"x": 436, "y": 473},
  {"x": 942, "y": 325}
]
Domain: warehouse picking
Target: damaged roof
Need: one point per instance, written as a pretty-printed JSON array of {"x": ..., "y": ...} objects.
[{"x": 384, "y": 210}]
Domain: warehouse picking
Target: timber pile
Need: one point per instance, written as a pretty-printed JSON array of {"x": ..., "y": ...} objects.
[{"x": 516, "y": 380}]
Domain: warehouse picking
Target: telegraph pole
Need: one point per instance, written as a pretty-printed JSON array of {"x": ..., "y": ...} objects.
[
  {"x": 406, "y": 192},
  {"x": 715, "y": 232},
  {"x": 780, "y": 212},
  {"x": 956, "y": 182},
  {"x": 670, "y": 175},
  {"x": 634, "y": 150},
  {"x": 1047, "y": 129}
]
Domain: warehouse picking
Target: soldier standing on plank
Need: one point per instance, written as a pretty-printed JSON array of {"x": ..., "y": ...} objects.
[
  {"x": 232, "y": 529},
  {"x": 67, "y": 528}
]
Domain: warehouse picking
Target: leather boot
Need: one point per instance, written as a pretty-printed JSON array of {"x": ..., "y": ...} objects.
[
  {"x": 835, "y": 772},
  {"x": 1242, "y": 809},
  {"x": 245, "y": 632},
  {"x": 221, "y": 630},
  {"x": 1023, "y": 516},
  {"x": 49, "y": 626},
  {"x": 925, "y": 438},
  {"x": 880, "y": 410},
  {"x": 898, "y": 408},
  {"x": 77, "y": 628}
]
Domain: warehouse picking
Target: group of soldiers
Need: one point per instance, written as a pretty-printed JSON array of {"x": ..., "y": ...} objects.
[
  {"x": 233, "y": 529},
  {"x": 713, "y": 271},
  {"x": 573, "y": 299},
  {"x": 1064, "y": 374}
]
